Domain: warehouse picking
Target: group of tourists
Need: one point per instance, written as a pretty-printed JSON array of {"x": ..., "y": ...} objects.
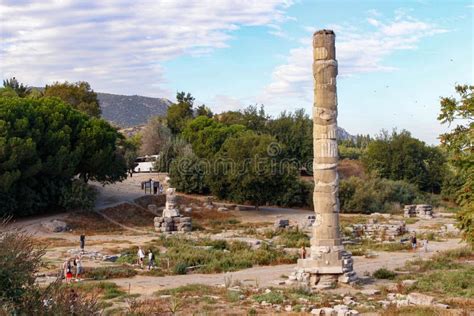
[
  {"x": 141, "y": 258},
  {"x": 414, "y": 243},
  {"x": 72, "y": 267}
]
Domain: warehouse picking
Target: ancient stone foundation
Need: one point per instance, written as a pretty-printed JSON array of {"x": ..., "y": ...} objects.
[
  {"x": 328, "y": 262},
  {"x": 419, "y": 210},
  {"x": 378, "y": 231},
  {"x": 171, "y": 220}
]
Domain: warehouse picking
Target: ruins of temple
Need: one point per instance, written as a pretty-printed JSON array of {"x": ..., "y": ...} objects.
[{"x": 171, "y": 220}]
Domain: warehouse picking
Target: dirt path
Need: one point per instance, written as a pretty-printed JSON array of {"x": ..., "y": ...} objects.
[{"x": 266, "y": 276}]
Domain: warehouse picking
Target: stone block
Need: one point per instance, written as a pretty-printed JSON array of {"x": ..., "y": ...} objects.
[{"x": 420, "y": 299}]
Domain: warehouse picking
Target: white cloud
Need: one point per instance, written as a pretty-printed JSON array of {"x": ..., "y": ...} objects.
[
  {"x": 119, "y": 45},
  {"x": 358, "y": 51}
]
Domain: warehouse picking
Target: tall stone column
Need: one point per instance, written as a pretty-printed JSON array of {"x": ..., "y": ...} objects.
[{"x": 328, "y": 262}]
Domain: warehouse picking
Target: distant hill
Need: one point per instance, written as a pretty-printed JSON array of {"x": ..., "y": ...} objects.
[
  {"x": 130, "y": 110},
  {"x": 342, "y": 134}
]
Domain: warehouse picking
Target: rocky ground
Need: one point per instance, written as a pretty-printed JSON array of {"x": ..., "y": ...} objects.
[{"x": 120, "y": 223}]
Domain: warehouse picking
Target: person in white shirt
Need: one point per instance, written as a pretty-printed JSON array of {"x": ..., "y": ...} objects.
[{"x": 141, "y": 256}]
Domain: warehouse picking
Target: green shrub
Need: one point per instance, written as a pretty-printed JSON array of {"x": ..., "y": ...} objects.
[
  {"x": 105, "y": 273},
  {"x": 270, "y": 297},
  {"x": 293, "y": 238},
  {"x": 78, "y": 196},
  {"x": 383, "y": 273},
  {"x": 180, "y": 268},
  {"x": 375, "y": 195}
]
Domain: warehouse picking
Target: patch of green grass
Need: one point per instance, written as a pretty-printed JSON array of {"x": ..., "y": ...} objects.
[
  {"x": 293, "y": 238},
  {"x": 410, "y": 311},
  {"x": 450, "y": 283},
  {"x": 368, "y": 245},
  {"x": 233, "y": 296},
  {"x": 383, "y": 273},
  {"x": 108, "y": 290},
  {"x": 411, "y": 220},
  {"x": 271, "y": 297},
  {"x": 191, "y": 289},
  {"x": 221, "y": 257},
  {"x": 445, "y": 260},
  {"x": 105, "y": 273}
]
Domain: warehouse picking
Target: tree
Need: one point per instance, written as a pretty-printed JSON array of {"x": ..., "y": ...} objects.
[
  {"x": 44, "y": 144},
  {"x": 252, "y": 117},
  {"x": 245, "y": 170},
  {"x": 459, "y": 143},
  {"x": 180, "y": 112},
  {"x": 207, "y": 136},
  {"x": 79, "y": 95},
  {"x": 399, "y": 156},
  {"x": 187, "y": 174},
  {"x": 203, "y": 110},
  {"x": 101, "y": 158},
  {"x": 20, "y": 89},
  {"x": 295, "y": 131},
  {"x": 177, "y": 147},
  {"x": 154, "y": 137},
  {"x": 130, "y": 147}
]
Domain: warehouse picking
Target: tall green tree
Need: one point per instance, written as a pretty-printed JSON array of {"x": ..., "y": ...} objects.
[
  {"x": 459, "y": 143},
  {"x": 79, "y": 95},
  {"x": 399, "y": 156},
  {"x": 295, "y": 131},
  {"x": 179, "y": 113},
  {"x": 44, "y": 144},
  {"x": 207, "y": 136},
  {"x": 247, "y": 170},
  {"x": 20, "y": 89}
]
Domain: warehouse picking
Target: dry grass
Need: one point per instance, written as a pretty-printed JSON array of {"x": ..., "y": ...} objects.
[{"x": 90, "y": 223}]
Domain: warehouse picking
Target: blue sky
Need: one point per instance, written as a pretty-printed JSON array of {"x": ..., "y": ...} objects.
[{"x": 396, "y": 58}]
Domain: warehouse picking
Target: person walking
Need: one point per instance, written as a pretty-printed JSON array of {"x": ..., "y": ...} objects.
[
  {"x": 78, "y": 264},
  {"x": 303, "y": 252},
  {"x": 141, "y": 256},
  {"x": 68, "y": 271},
  {"x": 151, "y": 259},
  {"x": 82, "y": 242},
  {"x": 413, "y": 241},
  {"x": 425, "y": 245}
]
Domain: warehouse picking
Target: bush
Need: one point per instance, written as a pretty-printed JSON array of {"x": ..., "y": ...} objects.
[
  {"x": 180, "y": 268},
  {"x": 383, "y": 273},
  {"x": 78, "y": 196},
  {"x": 270, "y": 297},
  {"x": 293, "y": 238},
  {"x": 375, "y": 195},
  {"x": 298, "y": 193},
  {"x": 20, "y": 295}
]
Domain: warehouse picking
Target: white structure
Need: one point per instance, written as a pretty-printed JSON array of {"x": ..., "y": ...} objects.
[{"x": 146, "y": 163}]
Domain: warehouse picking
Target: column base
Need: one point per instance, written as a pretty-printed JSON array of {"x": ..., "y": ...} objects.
[{"x": 319, "y": 274}]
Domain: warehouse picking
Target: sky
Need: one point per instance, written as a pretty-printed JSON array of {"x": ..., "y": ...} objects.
[{"x": 396, "y": 58}]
